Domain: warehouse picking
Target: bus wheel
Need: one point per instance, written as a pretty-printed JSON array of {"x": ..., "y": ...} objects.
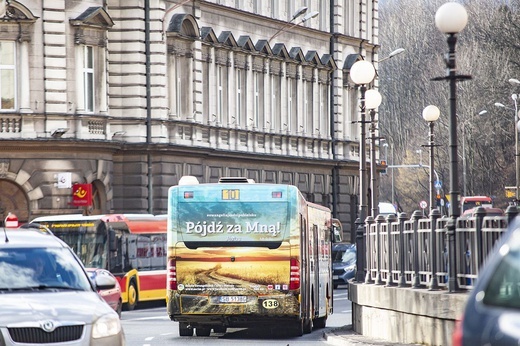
[
  {"x": 132, "y": 296},
  {"x": 320, "y": 322},
  {"x": 220, "y": 329},
  {"x": 185, "y": 330},
  {"x": 307, "y": 325},
  {"x": 203, "y": 331}
]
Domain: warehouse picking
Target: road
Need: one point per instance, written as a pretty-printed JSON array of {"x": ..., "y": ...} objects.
[{"x": 150, "y": 326}]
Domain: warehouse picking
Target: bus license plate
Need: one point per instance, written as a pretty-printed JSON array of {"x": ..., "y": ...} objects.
[{"x": 233, "y": 299}]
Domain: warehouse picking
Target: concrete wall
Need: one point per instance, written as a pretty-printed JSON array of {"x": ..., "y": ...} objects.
[{"x": 405, "y": 315}]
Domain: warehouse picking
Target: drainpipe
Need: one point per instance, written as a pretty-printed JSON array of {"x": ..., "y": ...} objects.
[
  {"x": 335, "y": 167},
  {"x": 148, "y": 104}
]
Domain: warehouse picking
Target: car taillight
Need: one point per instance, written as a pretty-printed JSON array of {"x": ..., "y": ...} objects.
[
  {"x": 294, "y": 282},
  {"x": 172, "y": 274},
  {"x": 456, "y": 337}
]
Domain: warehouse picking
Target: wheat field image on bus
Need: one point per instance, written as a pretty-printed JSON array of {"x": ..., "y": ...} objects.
[{"x": 212, "y": 267}]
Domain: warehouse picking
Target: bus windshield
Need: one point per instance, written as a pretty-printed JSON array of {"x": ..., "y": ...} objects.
[{"x": 87, "y": 238}]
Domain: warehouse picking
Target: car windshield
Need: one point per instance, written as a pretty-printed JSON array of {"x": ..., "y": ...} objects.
[
  {"x": 344, "y": 254},
  {"x": 503, "y": 288},
  {"x": 40, "y": 268}
]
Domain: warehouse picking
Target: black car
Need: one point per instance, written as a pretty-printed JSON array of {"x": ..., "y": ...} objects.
[{"x": 343, "y": 263}]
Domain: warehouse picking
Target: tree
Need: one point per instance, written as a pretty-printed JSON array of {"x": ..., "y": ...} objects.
[{"x": 487, "y": 49}]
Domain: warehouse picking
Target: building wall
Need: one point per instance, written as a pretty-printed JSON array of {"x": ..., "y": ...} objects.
[{"x": 135, "y": 92}]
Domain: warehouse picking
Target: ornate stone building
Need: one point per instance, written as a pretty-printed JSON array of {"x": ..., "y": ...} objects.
[{"x": 130, "y": 95}]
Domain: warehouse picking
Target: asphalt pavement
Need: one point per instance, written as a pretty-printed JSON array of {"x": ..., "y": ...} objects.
[{"x": 344, "y": 336}]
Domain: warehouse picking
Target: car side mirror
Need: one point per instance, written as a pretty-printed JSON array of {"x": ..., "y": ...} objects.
[{"x": 105, "y": 282}]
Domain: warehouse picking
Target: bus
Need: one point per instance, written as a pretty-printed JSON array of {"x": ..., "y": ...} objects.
[
  {"x": 242, "y": 254},
  {"x": 470, "y": 202},
  {"x": 130, "y": 246}
]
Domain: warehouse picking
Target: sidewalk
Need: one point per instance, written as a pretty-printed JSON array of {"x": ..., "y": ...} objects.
[{"x": 344, "y": 336}]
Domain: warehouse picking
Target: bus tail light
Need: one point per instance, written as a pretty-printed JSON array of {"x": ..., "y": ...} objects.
[
  {"x": 172, "y": 275},
  {"x": 294, "y": 283}
]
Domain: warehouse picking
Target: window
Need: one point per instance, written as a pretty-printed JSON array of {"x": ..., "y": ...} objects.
[
  {"x": 220, "y": 94},
  {"x": 239, "y": 97},
  {"x": 289, "y": 104},
  {"x": 256, "y": 105},
  {"x": 503, "y": 287},
  {"x": 88, "y": 78},
  {"x": 7, "y": 75}
]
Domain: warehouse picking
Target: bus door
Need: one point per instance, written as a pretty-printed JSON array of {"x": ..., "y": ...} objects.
[
  {"x": 305, "y": 266},
  {"x": 316, "y": 269}
]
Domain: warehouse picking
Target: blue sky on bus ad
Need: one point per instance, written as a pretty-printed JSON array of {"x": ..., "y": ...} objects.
[{"x": 250, "y": 215}]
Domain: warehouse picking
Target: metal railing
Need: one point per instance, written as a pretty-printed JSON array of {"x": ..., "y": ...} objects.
[{"x": 409, "y": 252}]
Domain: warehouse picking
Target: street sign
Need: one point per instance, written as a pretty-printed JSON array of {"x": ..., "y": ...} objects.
[
  {"x": 423, "y": 204},
  {"x": 438, "y": 184},
  {"x": 11, "y": 221}
]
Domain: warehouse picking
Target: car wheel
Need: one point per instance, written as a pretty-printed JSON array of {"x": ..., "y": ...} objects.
[
  {"x": 185, "y": 330},
  {"x": 132, "y": 296}
]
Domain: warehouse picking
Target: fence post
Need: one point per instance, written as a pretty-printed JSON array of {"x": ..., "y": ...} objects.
[
  {"x": 434, "y": 216},
  {"x": 416, "y": 279},
  {"x": 480, "y": 212},
  {"x": 379, "y": 220},
  {"x": 390, "y": 219},
  {"x": 368, "y": 225},
  {"x": 402, "y": 218},
  {"x": 360, "y": 251}
]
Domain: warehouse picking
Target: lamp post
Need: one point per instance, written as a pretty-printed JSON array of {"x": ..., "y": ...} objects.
[
  {"x": 517, "y": 149},
  {"x": 431, "y": 114},
  {"x": 362, "y": 73},
  {"x": 372, "y": 101},
  {"x": 450, "y": 19}
]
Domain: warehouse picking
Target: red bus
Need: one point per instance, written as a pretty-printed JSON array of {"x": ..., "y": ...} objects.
[
  {"x": 130, "y": 246},
  {"x": 470, "y": 202}
]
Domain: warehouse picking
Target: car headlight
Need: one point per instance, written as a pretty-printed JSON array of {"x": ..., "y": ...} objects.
[{"x": 106, "y": 325}]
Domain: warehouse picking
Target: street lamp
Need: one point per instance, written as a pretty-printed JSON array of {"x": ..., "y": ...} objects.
[
  {"x": 517, "y": 149},
  {"x": 362, "y": 73},
  {"x": 450, "y": 19},
  {"x": 297, "y": 14},
  {"x": 392, "y": 54},
  {"x": 372, "y": 101},
  {"x": 431, "y": 115}
]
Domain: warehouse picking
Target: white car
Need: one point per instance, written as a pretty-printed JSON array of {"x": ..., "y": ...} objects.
[{"x": 46, "y": 296}]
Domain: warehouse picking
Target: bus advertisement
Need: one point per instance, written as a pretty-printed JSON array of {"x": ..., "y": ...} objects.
[
  {"x": 130, "y": 246},
  {"x": 242, "y": 254}
]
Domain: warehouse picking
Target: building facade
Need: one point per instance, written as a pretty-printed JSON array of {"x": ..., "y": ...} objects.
[{"x": 130, "y": 95}]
